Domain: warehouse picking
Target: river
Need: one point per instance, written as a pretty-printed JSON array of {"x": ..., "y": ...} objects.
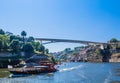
[{"x": 73, "y": 73}]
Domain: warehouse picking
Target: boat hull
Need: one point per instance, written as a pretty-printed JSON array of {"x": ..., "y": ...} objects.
[{"x": 32, "y": 71}]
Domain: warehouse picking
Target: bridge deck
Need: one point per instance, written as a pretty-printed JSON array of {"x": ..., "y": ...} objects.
[{"x": 70, "y": 41}]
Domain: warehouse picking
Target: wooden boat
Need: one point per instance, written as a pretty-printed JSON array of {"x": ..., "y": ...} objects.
[
  {"x": 35, "y": 70},
  {"x": 43, "y": 68}
]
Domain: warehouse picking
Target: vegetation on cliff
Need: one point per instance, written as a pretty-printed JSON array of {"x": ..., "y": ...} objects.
[
  {"x": 14, "y": 48},
  {"x": 16, "y": 43}
]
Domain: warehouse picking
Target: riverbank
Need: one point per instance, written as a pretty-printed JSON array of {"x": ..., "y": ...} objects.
[
  {"x": 4, "y": 72},
  {"x": 15, "y": 59}
]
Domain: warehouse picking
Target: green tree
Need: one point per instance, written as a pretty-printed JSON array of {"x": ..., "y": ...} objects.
[
  {"x": 36, "y": 45},
  {"x": 46, "y": 51},
  {"x": 1, "y": 45},
  {"x": 15, "y": 45},
  {"x": 19, "y": 38},
  {"x": 5, "y": 42},
  {"x": 113, "y": 40},
  {"x": 12, "y": 37},
  {"x": 23, "y": 33},
  {"x": 42, "y": 49},
  {"x": 2, "y": 32},
  {"x": 30, "y": 39},
  {"x": 67, "y": 50},
  {"x": 28, "y": 47}
]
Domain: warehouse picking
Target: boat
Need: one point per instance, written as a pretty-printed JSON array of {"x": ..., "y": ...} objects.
[{"x": 45, "y": 67}]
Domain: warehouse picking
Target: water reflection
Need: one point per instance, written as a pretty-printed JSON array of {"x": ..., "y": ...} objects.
[
  {"x": 115, "y": 78},
  {"x": 117, "y": 72}
]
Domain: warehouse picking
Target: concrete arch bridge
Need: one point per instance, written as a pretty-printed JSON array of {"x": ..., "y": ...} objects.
[{"x": 50, "y": 40}]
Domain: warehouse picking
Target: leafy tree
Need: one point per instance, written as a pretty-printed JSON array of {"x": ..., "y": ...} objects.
[
  {"x": 28, "y": 48},
  {"x": 12, "y": 37},
  {"x": 42, "y": 49},
  {"x": 23, "y": 33},
  {"x": 19, "y": 38},
  {"x": 67, "y": 49},
  {"x": 5, "y": 41},
  {"x": 113, "y": 40},
  {"x": 46, "y": 51},
  {"x": 30, "y": 39},
  {"x": 15, "y": 45},
  {"x": 1, "y": 45},
  {"x": 36, "y": 45},
  {"x": 2, "y": 32}
]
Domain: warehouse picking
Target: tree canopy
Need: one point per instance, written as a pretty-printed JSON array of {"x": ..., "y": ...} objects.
[
  {"x": 113, "y": 40},
  {"x": 23, "y": 33},
  {"x": 28, "y": 47},
  {"x": 2, "y": 32},
  {"x": 15, "y": 43}
]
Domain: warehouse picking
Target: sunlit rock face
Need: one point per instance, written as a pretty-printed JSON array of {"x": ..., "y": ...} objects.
[{"x": 115, "y": 57}]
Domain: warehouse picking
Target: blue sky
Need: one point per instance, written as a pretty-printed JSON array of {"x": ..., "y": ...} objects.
[{"x": 93, "y": 20}]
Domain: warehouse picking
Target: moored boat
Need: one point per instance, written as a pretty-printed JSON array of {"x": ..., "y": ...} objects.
[
  {"x": 43, "y": 68},
  {"x": 32, "y": 70}
]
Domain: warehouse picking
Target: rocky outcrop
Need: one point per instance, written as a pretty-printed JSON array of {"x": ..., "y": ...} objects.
[{"x": 115, "y": 57}]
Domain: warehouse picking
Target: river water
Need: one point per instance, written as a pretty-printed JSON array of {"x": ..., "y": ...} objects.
[{"x": 74, "y": 73}]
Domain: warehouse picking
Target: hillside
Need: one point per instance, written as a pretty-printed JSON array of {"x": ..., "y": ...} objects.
[
  {"x": 14, "y": 48},
  {"x": 108, "y": 53}
]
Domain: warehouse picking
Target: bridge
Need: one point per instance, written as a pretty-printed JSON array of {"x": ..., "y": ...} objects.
[{"x": 50, "y": 40}]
